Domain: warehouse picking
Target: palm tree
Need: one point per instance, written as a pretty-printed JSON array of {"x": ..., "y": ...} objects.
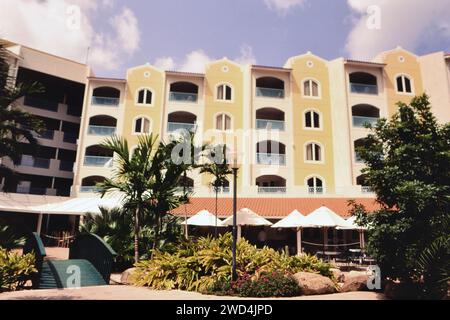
[
  {"x": 147, "y": 180},
  {"x": 219, "y": 169},
  {"x": 16, "y": 126}
]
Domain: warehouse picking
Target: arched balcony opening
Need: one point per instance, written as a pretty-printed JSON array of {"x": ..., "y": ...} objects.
[
  {"x": 356, "y": 145},
  {"x": 365, "y": 114},
  {"x": 181, "y": 120},
  {"x": 315, "y": 185},
  {"x": 363, "y": 82},
  {"x": 97, "y": 156},
  {"x": 271, "y": 184},
  {"x": 362, "y": 181},
  {"x": 89, "y": 184},
  {"x": 106, "y": 96},
  {"x": 270, "y": 119},
  {"x": 270, "y": 87},
  {"x": 271, "y": 153},
  {"x": 102, "y": 125},
  {"x": 183, "y": 92}
]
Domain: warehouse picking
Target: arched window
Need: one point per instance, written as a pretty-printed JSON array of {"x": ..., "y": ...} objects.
[
  {"x": 145, "y": 96},
  {"x": 223, "y": 122},
  {"x": 310, "y": 88},
  {"x": 312, "y": 120},
  {"x": 224, "y": 92},
  {"x": 404, "y": 84},
  {"x": 315, "y": 185},
  {"x": 141, "y": 125},
  {"x": 313, "y": 152}
]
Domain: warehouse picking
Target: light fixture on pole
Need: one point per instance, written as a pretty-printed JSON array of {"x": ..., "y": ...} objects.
[{"x": 235, "y": 169}]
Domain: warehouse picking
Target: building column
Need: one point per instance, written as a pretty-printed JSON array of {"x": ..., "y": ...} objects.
[{"x": 39, "y": 224}]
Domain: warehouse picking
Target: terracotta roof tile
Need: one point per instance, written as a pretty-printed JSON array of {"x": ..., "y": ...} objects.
[{"x": 273, "y": 207}]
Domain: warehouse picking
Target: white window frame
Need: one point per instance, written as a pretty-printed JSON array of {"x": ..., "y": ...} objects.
[
  {"x": 322, "y": 153},
  {"x": 224, "y": 85},
  {"x": 411, "y": 81},
  {"x": 320, "y": 128},
  {"x": 146, "y": 89},
  {"x": 133, "y": 132},
  {"x": 223, "y": 121},
  {"x": 315, "y": 177},
  {"x": 319, "y": 89}
]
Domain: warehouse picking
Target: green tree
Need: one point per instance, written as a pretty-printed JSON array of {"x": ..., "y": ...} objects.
[
  {"x": 16, "y": 125},
  {"x": 147, "y": 180},
  {"x": 407, "y": 164},
  {"x": 220, "y": 170}
]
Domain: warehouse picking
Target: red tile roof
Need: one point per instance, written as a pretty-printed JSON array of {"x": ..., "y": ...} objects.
[{"x": 273, "y": 207}]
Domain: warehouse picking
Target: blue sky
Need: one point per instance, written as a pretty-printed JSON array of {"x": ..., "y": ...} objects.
[{"x": 185, "y": 34}]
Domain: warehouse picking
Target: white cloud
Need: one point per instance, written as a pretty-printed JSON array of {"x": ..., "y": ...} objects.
[
  {"x": 403, "y": 22},
  {"x": 283, "y": 6},
  {"x": 247, "y": 56},
  {"x": 56, "y": 26},
  {"x": 194, "y": 61},
  {"x": 165, "y": 63}
]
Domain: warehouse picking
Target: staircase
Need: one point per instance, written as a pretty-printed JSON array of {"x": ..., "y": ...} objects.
[{"x": 57, "y": 274}]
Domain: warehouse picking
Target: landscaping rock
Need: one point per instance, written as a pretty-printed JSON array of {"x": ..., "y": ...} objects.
[
  {"x": 125, "y": 278},
  {"x": 312, "y": 283},
  {"x": 338, "y": 275},
  {"x": 355, "y": 282}
]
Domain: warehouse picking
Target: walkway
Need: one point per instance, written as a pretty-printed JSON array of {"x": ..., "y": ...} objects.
[{"x": 136, "y": 293}]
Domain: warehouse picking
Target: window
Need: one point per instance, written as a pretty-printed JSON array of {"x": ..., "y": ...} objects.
[
  {"x": 310, "y": 88},
  {"x": 315, "y": 185},
  {"x": 223, "y": 122},
  {"x": 145, "y": 96},
  {"x": 404, "y": 84},
  {"x": 142, "y": 125},
  {"x": 224, "y": 92},
  {"x": 313, "y": 152},
  {"x": 312, "y": 120}
]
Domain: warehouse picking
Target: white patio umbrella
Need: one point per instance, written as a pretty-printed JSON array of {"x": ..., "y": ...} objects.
[
  {"x": 325, "y": 218},
  {"x": 203, "y": 218},
  {"x": 351, "y": 225},
  {"x": 294, "y": 220},
  {"x": 246, "y": 217}
]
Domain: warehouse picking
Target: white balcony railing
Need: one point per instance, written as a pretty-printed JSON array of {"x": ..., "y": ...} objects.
[
  {"x": 105, "y": 101},
  {"x": 359, "y": 121},
  {"x": 271, "y": 159},
  {"x": 101, "y": 130},
  {"x": 183, "y": 97},
  {"x": 315, "y": 190},
  {"x": 270, "y": 93},
  {"x": 263, "y": 124},
  {"x": 271, "y": 189},
  {"x": 98, "y": 161}
]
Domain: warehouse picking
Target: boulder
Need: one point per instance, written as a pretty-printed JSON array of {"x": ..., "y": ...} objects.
[
  {"x": 355, "y": 283},
  {"x": 125, "y": 278},
  {"x": 312, "y": 283}
]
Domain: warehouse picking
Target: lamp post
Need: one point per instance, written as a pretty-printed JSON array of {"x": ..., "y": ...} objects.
[{"x": 235, "y": 169}]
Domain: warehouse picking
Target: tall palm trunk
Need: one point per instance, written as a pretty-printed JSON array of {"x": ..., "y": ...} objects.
[{"x": 136, "y": 235}]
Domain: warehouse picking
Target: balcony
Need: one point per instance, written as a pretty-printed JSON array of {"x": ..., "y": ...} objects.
[
  {"x": 47, "y": 134},
  {"x": 270, "y": 93},
  {"x": 365, "y": 189},
  {"x": 183, "y": 97},
  {"x": 41, "y": 103},
  {"x": 272, "y": 190},
  {"x": 271, "y": 159},
  {"x": 315, "y": 190},
  {"x": 88, "y": 189},
  {"x": 98, "y": 161},
  {"x": 364, "y": 88},
  {"x": 31, "y": 190},
  {"x": 66, "y": 166},
  {"x": 360, "y": 122},
  {"x": 175, "y": 126},
  {"x": 262, "y": 124},
  {"x": 30, "y": 161},
  {"x": 101, "y": 130},
  {"x": 105, "y": 101}
]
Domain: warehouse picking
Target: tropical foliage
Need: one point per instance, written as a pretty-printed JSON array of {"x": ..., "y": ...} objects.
[
  {"x": 16, "y": 125},
  {"x": 408, "y": 161},
  {"x": 200, "y": 265},
  {"x": 9, "y": 238},
  {"x": 15, "y": 269}
]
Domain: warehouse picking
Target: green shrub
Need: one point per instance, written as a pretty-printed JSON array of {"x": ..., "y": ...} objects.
[
  {"x": 15, "y": 269},
  {"x": 274, "y": 284},
  {"x": 204, "y": 264}
]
